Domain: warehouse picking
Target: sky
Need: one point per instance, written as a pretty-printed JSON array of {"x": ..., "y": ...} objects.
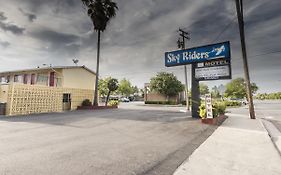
[{"x": 37, "y": 32}]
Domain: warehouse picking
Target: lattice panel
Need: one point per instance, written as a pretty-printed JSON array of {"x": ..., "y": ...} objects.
[{"x": 27, "y": 99}]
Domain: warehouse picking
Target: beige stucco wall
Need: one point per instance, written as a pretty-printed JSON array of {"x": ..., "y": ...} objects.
[
  {"x": 4, "y": 93},
  {"x": 78, "y": 78}
]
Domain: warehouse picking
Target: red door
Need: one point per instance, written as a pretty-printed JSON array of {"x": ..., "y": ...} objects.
[
  {"x": 25, "y": 78},
  {"x": 32, "y": 79},
  {"x": 52, "y": 79}
]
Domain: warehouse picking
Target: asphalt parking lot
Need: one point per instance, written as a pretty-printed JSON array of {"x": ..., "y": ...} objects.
[{"x": 133, "y": 139}]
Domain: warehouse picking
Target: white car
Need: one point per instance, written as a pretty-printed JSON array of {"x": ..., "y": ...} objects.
[{"x": 124, "y": 99}]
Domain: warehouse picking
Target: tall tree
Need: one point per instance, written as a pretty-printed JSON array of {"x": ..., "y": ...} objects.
[
  {"x": 166, "y": 84},
  {"x": 204, "y": 89},
  {"x": 215, "y": 92},
  {"x": 135, "y": 89},
  {"x": 100, "y": 12},
  {"x": 237, "y": 88},
  {"x": 125, "y": 87},
  {"x": 112, "y": 85},
  {"x": 102, "y": 88}
]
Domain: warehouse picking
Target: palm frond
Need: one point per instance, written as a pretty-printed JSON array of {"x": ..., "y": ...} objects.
[{"x": 100, "y": 12}]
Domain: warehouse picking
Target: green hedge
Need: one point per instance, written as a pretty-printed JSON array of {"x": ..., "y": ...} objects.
[
  {"x": 161, "y": 102},
  {"x": 232, "y": 103},
  {"x": 86, "y": 102}
]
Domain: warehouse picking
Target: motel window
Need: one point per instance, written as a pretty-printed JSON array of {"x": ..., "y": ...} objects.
[
  {"x": 58, "y": 82},
  {"x": 2, "y": 80},
  {"x": 8, "y": 79},
  {"x": 42, "y": 79},
  {"x": 16, "y": 78}
]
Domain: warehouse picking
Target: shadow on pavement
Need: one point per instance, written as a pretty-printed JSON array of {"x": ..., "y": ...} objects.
[{"x": 66, "y": 118}]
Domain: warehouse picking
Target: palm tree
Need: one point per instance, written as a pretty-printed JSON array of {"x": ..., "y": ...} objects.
[
  {"x": 100, "y": 12},
  {"x": 112, "y": 86}
]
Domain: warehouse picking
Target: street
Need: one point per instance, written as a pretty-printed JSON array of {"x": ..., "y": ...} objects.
[{"x": 134, "y": 139}]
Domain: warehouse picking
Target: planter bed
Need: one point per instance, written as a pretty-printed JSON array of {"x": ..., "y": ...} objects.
[
  {"x": 214, "y": 121},
  {"x": 95, "y": 107}
]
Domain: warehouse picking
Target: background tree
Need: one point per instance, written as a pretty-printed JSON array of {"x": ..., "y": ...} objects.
[
  {"x": 135, "y": 89},
  {"x": 112, "y": 85},
  {"x": 237, "y": 88},
  {"x": 125, "y": 88},
  {"x": 100, "y": 12},
  {"x": 215, "y": 92},
  {"x": 269, "y": 96},
  {"x": 103, "y": 89},
  {"x": 166, "y": 84},
  {"x": 142, "y": 93},
  {"x": 204, "y": 89}
]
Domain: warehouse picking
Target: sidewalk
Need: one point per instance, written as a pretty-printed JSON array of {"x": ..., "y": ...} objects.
[{"x": 240, "y": 146}]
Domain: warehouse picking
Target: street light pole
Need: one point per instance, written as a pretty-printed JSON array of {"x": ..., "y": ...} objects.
[{"x": 239, "y": 10}]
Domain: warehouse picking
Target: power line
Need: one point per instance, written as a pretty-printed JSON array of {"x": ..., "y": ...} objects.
[{"x": 224, "y": 29}]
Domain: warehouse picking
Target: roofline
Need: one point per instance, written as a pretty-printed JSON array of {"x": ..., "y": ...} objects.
[{"x": 49, "y": 68}]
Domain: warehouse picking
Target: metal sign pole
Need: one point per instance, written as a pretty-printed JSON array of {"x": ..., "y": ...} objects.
[{"x": 195, "y": 94}]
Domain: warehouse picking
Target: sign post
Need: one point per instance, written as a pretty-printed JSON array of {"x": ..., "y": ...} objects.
[
  {"x": 210, "y": 62},
  {"x": 209, "y": 108},
  {"x": 195, "y": 93}
]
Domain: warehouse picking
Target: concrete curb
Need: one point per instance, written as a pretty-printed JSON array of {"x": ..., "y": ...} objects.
[{"x": 274, "y": 134}]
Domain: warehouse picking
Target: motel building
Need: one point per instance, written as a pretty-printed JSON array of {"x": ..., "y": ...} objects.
[{"x": 44, "y": 90}]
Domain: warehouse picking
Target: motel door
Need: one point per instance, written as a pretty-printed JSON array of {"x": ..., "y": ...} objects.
[{"x": 66, "y": 102}]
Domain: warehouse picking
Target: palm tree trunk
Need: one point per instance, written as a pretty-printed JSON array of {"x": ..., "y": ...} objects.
[
  {"x": 107, "y": 98},
  {"x": 97, "y": 72}
]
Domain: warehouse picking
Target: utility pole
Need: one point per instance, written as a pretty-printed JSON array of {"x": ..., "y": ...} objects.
[
  {"x": 181, "y": 44},
  {"x": 239, "y": 10}
]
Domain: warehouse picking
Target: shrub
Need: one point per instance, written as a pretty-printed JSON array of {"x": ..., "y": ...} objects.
[
  {"x": 86, "y": 102},
  {"x": 232, "y": 103},
  {"x": 202, "y": 111},
  {"x": 218, "y": 109},
  {"x": 113, "y": 103}
]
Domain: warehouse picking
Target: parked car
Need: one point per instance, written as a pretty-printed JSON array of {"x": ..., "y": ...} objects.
[
  {"x": 242, "y": 101},
  {"x": 124, "y": 99}
]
